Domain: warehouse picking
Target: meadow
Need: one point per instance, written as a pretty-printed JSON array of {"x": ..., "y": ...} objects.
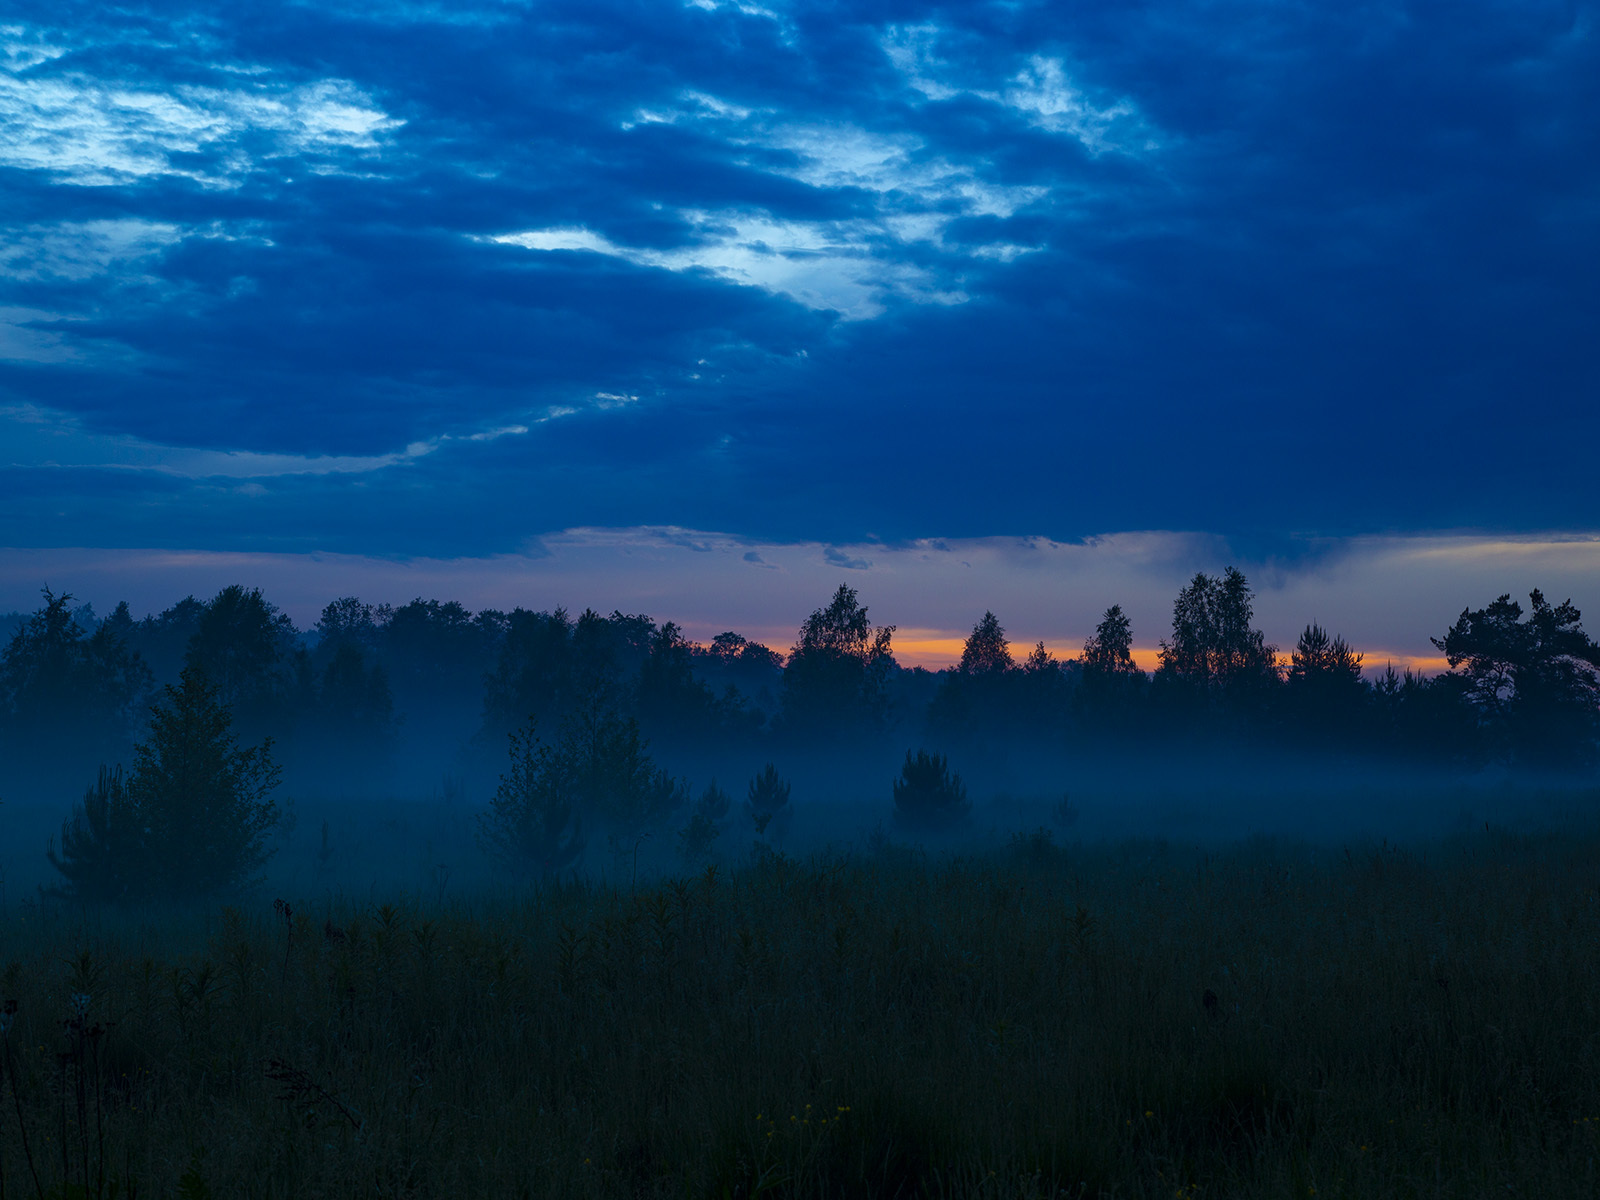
[{"x": 1129, "y": 1018}]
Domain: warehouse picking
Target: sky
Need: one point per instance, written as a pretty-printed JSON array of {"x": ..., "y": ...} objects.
[{"x": 523, "y": 302}]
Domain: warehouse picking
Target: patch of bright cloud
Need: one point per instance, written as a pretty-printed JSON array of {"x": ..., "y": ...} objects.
[
  {"x": 854, "y": 266},
  {"x": 78, "y": 250},
  {"x": 821, "y": 264},
  {"x": 743, "y": 7},
  {"x": 1043, "y": 90},
  {"x": 96, "y": 131}
]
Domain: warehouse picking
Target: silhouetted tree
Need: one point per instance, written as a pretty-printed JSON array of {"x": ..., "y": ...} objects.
[
  {"x": 245, "y": 647},
  {"x": 986, "y": 651},
  {"x": 1108, "y": 652},
  {"x": 1213, "y": 652},
  {"x": 1536, "y": 683},
  {"x": 347, "y": 622},
  {"x": 927, "y": 797},
  {"x": 834, "y": 684},
  {"x": 1424, "y": 719},
  {"x": 616, "y": 778},
  {"x": 162, "y": 639},
  {"x": 746, "y": 676},
  {"x": 1326, "y": 696},
  {"x": 436, "y": 657},
  {"x": 198, "y": 809},
  {"x": 534, "y": 821},
  {"x": 65, "y": 696},
  {"x": 535, "y": 672},
  {"x": 1111, "y": 683},
  {"x": 672, "y": 702},
  {"x": 767, "y": 803},
  {"x": 988, "y": 704},
  {"x": 101, "y": 855},
  {"x": 699, "y": 836},
  {"x": 352, "y": 720}
]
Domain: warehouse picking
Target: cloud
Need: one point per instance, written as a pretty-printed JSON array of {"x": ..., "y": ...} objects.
[
  {"x": 96, "y": 131},
  {"x": 835, "y": 557},
  {"x": 848, "y": 265},
  {"x": 80, "y": 250},
  {"x": 403, "y": 279},
  {"x": 1042, "y": 89}
]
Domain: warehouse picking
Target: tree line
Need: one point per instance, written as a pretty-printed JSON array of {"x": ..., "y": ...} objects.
[{"x": 593, "y": 707}]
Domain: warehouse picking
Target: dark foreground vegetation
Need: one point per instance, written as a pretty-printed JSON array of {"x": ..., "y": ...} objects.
[{"x": 1131, "y": 1020}]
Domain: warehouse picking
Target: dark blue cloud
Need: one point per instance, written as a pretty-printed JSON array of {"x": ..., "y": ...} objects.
[{"x": 442, "y": 278}]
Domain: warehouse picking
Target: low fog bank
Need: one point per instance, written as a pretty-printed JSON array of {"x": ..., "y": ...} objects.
[{"x": 428, "y": 846}]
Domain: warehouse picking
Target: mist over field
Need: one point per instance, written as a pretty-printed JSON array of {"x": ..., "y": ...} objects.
[{"x": 393, "y": 732}]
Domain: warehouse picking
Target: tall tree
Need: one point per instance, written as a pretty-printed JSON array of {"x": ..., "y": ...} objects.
[
  {"x": 834, "y": 684},
  {"x": 194, "y": 817},
  {"x": 1213, "y": 650},
  {"x": 1326, "y": 696},
  {"x": 1108, "y": 652},
  {"x": 1536, "y": 683},
  {"x": 673, "y": 703},
  {"x": 65, "y": 696},
  {"x": 245, "y": 647},
  {"x": 986, "y": 651},
  {"x": 1111, "y": 682}
]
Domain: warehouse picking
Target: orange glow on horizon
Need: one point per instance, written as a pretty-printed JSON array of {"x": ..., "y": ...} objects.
[{"x": 935, "y": 650}]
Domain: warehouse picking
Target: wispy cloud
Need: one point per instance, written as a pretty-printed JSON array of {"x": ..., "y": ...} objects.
[
  {"x": 90, "y": 129},
  {"x": 1042, "y": 89}
]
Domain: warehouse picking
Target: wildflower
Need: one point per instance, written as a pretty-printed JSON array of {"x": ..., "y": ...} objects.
[
  {"x": 80, "y": 1004},
  {"x": 6, "y": 1017}
]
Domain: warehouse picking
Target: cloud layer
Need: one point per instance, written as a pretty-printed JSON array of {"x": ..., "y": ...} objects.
[{"x": 410, "y": 279}]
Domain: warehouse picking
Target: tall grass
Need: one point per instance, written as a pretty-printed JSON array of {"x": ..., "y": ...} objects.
[{"x": 1140, "y": 1020}]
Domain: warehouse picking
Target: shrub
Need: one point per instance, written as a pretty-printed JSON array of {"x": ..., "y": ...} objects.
[{"x": 927, "y": 797}]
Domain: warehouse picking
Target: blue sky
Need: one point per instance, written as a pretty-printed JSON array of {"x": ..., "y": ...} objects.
[{"x": 417, "y": 281}]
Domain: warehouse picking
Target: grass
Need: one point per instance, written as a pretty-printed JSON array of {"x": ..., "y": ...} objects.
[{"x": 1138, "y": 1020}]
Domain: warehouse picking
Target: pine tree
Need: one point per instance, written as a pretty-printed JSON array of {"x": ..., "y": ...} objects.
[
  {"x": 194, "y": 816},
  {"x": 927, "y": 797},
  {"x": 767, "y": 803}
]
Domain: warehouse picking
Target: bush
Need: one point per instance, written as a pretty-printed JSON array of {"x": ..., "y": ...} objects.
[
  {"x": 193, "y": 817},
  {"x": 927, "y": 798}
]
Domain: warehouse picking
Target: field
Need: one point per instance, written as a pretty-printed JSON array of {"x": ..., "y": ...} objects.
[{"x": 1128, "y": 1019}]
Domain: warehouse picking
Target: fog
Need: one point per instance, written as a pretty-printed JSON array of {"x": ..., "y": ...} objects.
[{"x": 435, "y": 751}]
